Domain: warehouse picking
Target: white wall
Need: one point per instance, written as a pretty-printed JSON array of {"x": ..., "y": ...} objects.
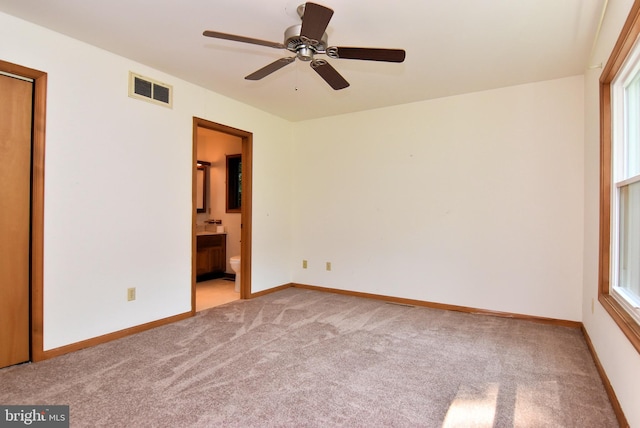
[
  {"x": 118, "y": 187},
  {"x": 620, "y": 360},
  {"x": 474, "y": 200}
]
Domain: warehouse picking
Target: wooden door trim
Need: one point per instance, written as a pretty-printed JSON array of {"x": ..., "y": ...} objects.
[
  {"x": 37, "y": 201},
  {"x": 246, "y": 210}
]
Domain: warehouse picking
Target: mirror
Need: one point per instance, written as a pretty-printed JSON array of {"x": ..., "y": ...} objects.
[
  {"x": 234, "y": 183},
  {"x": 202, "y": 178}
]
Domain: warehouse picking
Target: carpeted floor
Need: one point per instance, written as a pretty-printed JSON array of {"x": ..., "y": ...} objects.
[{"x": 306, "y": 358}]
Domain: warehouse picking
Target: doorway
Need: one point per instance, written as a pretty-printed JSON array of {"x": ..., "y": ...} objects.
[
  {"x": 242, "y": 223},
  {"x": 22, "y": 127}
]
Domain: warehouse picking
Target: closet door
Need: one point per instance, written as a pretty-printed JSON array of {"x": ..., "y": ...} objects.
[{"x": 15, "y": 218}]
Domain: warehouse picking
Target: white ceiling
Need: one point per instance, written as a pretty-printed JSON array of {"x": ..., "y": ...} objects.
[{"x": 453, "y": 46}]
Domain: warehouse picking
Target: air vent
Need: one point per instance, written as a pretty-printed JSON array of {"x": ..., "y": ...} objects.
[{"x": 144, "y": 88}]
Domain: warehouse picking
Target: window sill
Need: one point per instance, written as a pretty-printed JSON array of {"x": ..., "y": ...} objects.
[{"x": 627, "y": 324}]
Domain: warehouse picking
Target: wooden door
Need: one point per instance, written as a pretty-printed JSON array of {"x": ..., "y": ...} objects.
[{"x": 15, "y": 218}]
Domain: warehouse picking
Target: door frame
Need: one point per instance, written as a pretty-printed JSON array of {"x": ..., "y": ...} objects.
[
  {"x": 246, "y": 210},
  {"x": 37, "y": 201}
]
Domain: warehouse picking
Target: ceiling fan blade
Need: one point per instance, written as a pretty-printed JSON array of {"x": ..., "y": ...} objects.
[
  {"x": 315, "y": 21},
  {"x": 329, "y": 74},
  {"x": 225, "y": 36},
  {"x": 368, "y": 54},
  {"x": 267, "y": 70}
]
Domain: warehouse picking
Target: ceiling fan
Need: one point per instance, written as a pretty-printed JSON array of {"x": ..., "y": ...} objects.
[{"x": 309, "y": 39}]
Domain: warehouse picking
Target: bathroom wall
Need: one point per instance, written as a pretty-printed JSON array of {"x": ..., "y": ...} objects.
[
  {"x": 213, "y": 147},
  {"x": 118, "y": 180},
  {"x": 474, "y": 200}
]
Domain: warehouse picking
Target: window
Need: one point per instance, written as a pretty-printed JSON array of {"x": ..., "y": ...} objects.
[
  {"x": 234, "y": 183},
  {"x": 625, "y": 192},
  {"x": 619, "y": 277}
]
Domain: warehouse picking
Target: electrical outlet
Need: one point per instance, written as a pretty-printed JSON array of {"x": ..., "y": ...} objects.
[
  {"x": 304, "y": 264},
  {"x": 328, "y": 265},
  {"x": 131, "y": 294}
]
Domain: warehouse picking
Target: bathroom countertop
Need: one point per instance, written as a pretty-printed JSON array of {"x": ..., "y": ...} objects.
[{"x": 207, "y": 232}]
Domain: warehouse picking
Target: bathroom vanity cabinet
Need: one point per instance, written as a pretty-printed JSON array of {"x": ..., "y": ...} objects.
[{"x": 211, "y": 256}]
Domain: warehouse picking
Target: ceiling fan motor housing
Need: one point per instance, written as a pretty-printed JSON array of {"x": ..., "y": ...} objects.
[{"x": 303, "y": 47}]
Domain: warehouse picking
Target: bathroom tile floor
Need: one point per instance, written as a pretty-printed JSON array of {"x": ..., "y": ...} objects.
[{"x": 215, "y": 292}]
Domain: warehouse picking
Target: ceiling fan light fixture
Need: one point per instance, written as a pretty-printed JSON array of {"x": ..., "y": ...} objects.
[
  {"x": 308, "y": 39},
  {"x": 305, "y": 53}
]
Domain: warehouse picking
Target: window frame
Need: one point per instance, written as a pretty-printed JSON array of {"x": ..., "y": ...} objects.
[{"x": 621, "y": 51}]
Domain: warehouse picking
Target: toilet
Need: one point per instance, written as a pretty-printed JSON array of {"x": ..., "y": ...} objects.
[{"x": 235, "y": 265}]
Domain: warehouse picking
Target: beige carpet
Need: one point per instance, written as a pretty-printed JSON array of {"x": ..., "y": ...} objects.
[{"x": 305, "y": 358}]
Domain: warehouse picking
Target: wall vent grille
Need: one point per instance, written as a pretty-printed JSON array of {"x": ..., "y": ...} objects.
[{"x": 144, "y": 88}]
